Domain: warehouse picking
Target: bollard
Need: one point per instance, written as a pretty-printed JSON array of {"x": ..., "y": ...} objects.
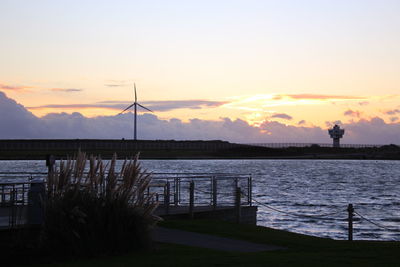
[
  {"x": 350, "y": 210},
  {"x": 50, "y": 161},
  {"x": 13, "y": 216},
  {"x": 191, "y": 200},
  {"x": 36, "y": 195},
  {"x": 237, "y": 205}
]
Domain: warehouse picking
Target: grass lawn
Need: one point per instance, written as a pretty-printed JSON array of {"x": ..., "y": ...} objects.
[{"x": 302, "y": 250}]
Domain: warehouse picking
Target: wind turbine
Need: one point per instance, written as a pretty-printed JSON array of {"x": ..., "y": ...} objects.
[{"x": 135, "y": 104}]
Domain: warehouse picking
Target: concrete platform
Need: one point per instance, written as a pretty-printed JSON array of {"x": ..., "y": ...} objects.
[{"x": 225, "y": 213}]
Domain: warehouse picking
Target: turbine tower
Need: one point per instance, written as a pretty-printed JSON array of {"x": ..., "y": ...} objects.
[
  {"x": 134, "y": 105},
  {"x": 336, "y": 133}
]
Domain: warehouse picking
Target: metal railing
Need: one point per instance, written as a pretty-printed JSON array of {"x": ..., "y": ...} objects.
[
  {"x": 286, "y": 145},
  {"x": 211, "y": 189},
  {"x": 169, "y": 189}
]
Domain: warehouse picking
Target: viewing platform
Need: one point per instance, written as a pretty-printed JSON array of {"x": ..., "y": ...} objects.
[{"x": 180, "y": 195}]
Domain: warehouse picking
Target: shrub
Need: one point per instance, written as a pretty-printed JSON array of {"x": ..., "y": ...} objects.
[{"x": 98, "y": 211}]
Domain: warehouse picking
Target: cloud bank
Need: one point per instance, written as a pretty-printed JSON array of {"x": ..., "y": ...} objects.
[
  {"x": 153, "y": 105},
  {"x": 17, "y": 122}
]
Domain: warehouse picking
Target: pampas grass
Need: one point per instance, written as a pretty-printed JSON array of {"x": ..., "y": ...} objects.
[{"x": 98, "y": 209}]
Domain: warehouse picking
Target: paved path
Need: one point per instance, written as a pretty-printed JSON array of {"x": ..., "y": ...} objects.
[{"x": 174, "y": 236}]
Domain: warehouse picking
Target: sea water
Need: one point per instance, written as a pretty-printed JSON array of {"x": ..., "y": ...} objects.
[{"x": 303, "y": 196}]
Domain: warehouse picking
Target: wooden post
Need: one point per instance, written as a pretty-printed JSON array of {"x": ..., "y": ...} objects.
[
  {"x": 191, "y": 200},
  {"x": 214, "y": 191},
  {"x": 237, "y": 205},
  {"x": 350, "y": 210},
  {"x": 167, "y": 197}
]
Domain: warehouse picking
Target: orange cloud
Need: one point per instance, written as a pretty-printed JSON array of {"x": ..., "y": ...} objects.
[
  {"x": 323, "y": 97},
  {"x": 14, "y": 88}
]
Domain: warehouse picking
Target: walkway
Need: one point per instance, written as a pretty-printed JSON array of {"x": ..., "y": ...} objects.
[{"x": 166, "y": 235}]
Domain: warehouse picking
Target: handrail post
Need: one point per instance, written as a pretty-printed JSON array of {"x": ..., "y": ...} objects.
[
  {"x": 176, "y": 195},
  {"x": 250, "y": 190},
  {"x": 167, "y": 197},
  {"x": 350, "y": 211},
  {"x": 191, "y": 200},
  {"x": 214, "y": 191},
  {"x": 237, "y": 205}
]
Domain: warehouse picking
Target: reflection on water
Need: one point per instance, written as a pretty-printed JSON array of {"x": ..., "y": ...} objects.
[{"x": 313, "y": 187}]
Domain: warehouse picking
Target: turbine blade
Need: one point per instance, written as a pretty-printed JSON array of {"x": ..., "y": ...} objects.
[
  {"x": 126, "y": 109},
  {"x": 144, "y": 107},
  {"x": 134, "y": 85}
]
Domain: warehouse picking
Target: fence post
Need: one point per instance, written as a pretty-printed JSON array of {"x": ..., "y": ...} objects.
[
  {"x": 191, "y": 200},
  {"x": 166, "y": 198},
  {"x": 237, "y": 205},
  {"x": 350, "y": 210},
  {"x": 214, "y": 191}
]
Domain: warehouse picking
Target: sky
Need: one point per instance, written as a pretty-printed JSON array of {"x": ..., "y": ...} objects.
[{"x": 243, "y": 71}]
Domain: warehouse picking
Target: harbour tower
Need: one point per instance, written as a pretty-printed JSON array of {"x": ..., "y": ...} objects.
[{"x": 336, "y": 133}]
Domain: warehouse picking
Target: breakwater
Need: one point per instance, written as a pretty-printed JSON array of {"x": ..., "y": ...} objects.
[
  {"x": 39, "y": 148},
  {"x": 190, "y": 149}
]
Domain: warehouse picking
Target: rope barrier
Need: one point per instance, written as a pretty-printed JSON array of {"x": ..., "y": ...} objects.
[
  {"x": 376, "y": 224},
  {"x": 320, "y": 217}
]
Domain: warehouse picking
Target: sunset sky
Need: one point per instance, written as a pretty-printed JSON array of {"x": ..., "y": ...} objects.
[{"x": 299, "y": 63}]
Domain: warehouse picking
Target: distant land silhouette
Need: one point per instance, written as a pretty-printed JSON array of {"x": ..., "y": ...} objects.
[{"x": 195, "y": 149}]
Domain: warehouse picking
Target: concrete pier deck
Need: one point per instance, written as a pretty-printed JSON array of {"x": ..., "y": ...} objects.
[{"x": 226, "y": 213}]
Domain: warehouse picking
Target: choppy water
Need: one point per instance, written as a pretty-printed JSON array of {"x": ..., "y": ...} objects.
[{"x": 308, "y": 187}]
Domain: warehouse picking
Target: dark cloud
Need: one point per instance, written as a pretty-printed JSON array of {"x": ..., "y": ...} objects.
[
  {"x": 118, "y": 83},
  {"x": 17, "y": 122},
  {"x": 332, "y": 123},
  {"x": 394, "y": 119},
  {"x": 302, "y": 122},
  {"x": 352, "y": 113},
  {"x": 282, "y": 116},
  {"x": 392, "y": 112},
  {"x": 363, "y": 103},
  {"x": 114, "y": 85},
  {"x": 153, "y": 105},
  {"x": 66, "y": 90}
]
